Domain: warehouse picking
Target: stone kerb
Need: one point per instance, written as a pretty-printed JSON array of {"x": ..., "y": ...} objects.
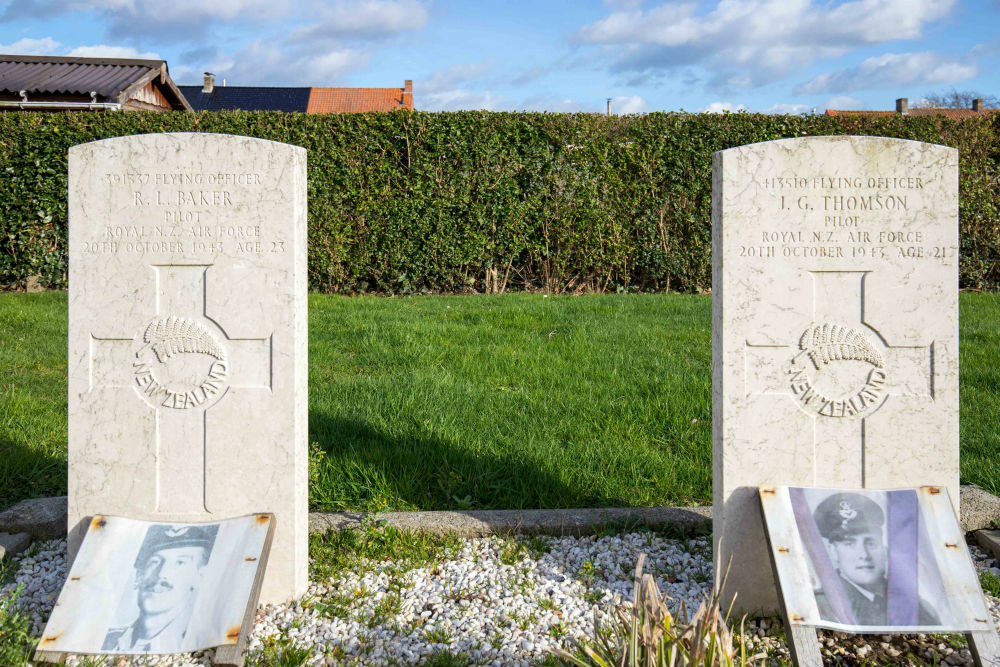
[
  {"x": 187, "y": 336},
  {"x": 835, "y": 328}
]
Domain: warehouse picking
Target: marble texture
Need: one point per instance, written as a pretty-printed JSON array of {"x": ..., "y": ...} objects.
[
  {"x": 834, "y": 329},
  {"x": 187, "y": 336}
]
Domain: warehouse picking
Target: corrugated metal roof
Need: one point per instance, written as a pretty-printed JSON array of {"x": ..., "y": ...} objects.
[
  {"x": 52, "y": 75},
  {"x": 247, "y": 98}
]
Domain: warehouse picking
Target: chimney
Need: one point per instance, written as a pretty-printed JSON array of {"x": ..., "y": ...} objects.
[
  {"x": 209, "y": 83},
  {"x": 408, "y": 94},
  {"x": 902, "y": 105},
  {"x": 977, "y": 105}
]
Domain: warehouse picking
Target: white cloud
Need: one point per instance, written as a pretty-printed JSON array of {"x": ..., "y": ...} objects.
[
  {"x": 629, "y": 104},
  {"x": 365, "y": 19},
  {"x": 748, "y": 42},
  {"x": 668, "y": 24},
  {"x": 457, "y": 100},
  {"x": 622, "y": 4},
  {"x": 187, "y": 11},
  {"x": 262, "y": 63},
  {"x": 105, "y": 51},
  {"x": 720, "y": 107},
  {"x": 338, "y": 39},
  {"x": 891, "y": 69},
  {"x": 31, "y": 47},
  {"x": 790, "y": 109},
  {"x": 545, "y": 102},
  {"x": 326, "y": 69},
  {"x": 451, "y": 77},
  {"x": 149, "y": 20},
  {"x": 844, "y": 102},
  {"x": 458, "y": 87}
]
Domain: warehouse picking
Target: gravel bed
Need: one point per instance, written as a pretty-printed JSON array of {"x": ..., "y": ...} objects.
[{"x": 487, "y": 603}]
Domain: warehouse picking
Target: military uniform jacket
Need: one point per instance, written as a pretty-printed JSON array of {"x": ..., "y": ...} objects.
[{"x": 870, "y": 609}]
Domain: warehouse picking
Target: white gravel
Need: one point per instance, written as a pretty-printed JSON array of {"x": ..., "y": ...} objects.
[{"x": 485, "y": 604}]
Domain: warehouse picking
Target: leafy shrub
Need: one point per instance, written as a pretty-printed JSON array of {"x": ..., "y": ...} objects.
[{"x": 408, "y": 202}]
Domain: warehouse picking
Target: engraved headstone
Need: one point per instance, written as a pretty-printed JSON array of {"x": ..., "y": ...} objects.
[
  {"x": 187, "y": 336},
  {"x": 835, "y": 329}
]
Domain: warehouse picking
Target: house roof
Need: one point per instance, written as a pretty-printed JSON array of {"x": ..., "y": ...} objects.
[
  {"x": 350, "y": 100},
  {"x": 111, "y": 78},
  {"x": 248, "y": 98},
  {"x": 306, "y": 100},
  {"x": 919, "y": 111}
]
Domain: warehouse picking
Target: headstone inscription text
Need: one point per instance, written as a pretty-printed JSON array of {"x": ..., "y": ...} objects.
[
  {"x": 835, "y": 328},
  {"x": 187, "y": 376}
]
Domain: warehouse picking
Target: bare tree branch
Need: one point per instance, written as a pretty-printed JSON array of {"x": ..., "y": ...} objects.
[{"x": 956, "y": 99}]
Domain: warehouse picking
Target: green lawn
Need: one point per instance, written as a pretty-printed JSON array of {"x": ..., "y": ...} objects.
[{"x": 514, "y": 401}]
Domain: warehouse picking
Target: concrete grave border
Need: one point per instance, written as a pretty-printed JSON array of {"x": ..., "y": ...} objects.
[{"x": 45, "y": 518}]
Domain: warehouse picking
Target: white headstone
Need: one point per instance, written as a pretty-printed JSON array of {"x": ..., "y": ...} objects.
[
  {"x": 834, "y": 328},
  {"x": 187, "y": 336}
]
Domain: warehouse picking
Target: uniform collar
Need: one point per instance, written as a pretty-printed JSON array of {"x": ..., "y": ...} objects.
[{"x": 864, "y": 591}]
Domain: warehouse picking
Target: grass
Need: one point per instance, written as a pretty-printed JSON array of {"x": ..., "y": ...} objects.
[
  {"x": 16, "y": 642},
  {"x": 990, "y": 583},
  {"x": 279, "y": 652},
  {"x": 32, "y": 396},
  {"x": 446, "y": 658},
  {"x": 979, "y": 352},
  {"x": 372, "y": 546},
  {"x": 465, "y": 402}
]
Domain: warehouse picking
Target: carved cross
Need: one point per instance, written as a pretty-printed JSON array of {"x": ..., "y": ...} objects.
[
  {"x": 839, "y": 370},
  {"x": 180, "y": 362}
]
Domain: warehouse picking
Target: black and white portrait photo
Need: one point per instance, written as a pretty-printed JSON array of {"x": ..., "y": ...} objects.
[
  {"x": 869, "y": 561},
  {"x": 147, "y": 588},
  {"x": 855, "y": 538},
  {"x": 168, "y": 575}
]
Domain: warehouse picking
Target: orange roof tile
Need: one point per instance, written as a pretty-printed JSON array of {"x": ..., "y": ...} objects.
[
  {"x": 949, "y": 113},
  {"x": 852, "y": 112},
  {"x": 354, "y": 100}
]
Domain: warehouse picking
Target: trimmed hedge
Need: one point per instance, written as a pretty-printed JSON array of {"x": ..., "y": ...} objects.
[{"x": 407, "y": 202}]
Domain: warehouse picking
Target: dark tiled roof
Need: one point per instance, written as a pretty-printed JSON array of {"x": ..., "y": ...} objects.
[
  {"x": 247, "y": 98},
  {"x": 352, "y": 100},
  {"x": 50, "y": 75}
]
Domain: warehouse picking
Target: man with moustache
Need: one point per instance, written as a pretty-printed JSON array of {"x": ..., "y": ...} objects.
[
  {"x": 168, "y": 572},
  {"x": 852, "y": 524}
]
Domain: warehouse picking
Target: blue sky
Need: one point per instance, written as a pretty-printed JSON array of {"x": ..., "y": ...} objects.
[{"x": 551, "y": 55}]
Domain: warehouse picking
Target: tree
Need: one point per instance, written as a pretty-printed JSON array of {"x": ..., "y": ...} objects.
[{"x": 957, "y": 99}]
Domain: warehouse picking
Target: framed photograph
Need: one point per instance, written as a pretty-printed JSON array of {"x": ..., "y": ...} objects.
[
  {"x": 872, "y": 561},
  {"x": 139, "y": 587}
]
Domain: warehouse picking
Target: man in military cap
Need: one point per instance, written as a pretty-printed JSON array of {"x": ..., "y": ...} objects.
[
  {"x": 168, "y": 573},
  {"x": 852, "y": 524}
]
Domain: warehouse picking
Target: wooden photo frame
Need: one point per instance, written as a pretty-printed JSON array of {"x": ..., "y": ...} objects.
[
  {"x": 150, "y": 588},
  {"x": 873, "y": 561}
]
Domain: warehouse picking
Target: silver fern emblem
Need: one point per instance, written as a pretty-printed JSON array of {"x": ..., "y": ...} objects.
[
  {"x": 175, "y": 335},
  {"x": 829, "y": 342}
]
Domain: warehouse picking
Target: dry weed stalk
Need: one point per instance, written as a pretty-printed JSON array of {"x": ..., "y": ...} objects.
[{"x": 646, "y": 634}]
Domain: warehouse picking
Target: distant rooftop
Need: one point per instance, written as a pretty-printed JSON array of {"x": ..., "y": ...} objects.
[
  {"x": 903, "y": 107},
  {"x": 103, "y": 80},
  {"x": 210, "y": 97},
  {"x": 353, "y": 100},
  {"x": 247, "y": 98}
]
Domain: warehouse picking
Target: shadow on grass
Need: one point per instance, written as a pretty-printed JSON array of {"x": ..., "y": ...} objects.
[
  {"x": 364, "y": 468},
  {"x": 27, "y": 472}
]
